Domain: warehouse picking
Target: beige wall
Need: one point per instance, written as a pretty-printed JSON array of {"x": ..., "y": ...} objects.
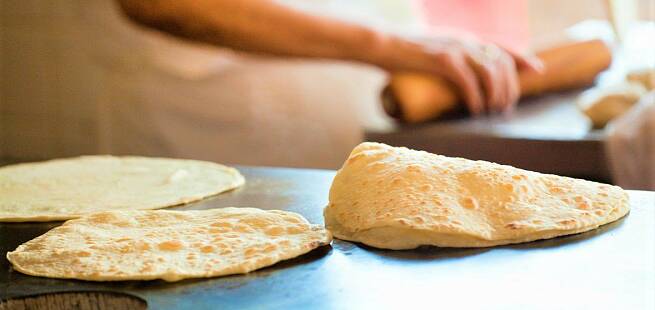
[
  {"x": 549, "y": 18},
  {"x": 46, "y": 84}
]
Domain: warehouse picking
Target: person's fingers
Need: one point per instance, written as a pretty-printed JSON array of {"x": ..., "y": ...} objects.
[
  {"x": 504, "y": 88},
  {"x": 458, "y": 72},
  {"x": 488, "y": 77},
  {"x": 512, "y": 88},
  {"x": 503, "y": 84},
  {"x": 513, "y": 82},
  {"x": 504, "y": 81},
  {"x": 487, "y": 60},
  {"x": 485, "y": 75},
  {"x": 525, "y": 61}
]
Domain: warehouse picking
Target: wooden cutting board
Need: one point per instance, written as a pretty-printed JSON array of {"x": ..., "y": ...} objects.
[{"x": 609, "y": 268}]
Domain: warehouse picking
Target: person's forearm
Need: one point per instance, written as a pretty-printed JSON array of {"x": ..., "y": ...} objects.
[{"x": 263, "y": 27}]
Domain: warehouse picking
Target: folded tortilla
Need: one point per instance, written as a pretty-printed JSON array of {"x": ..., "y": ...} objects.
[{"x": 397, "y": 198}]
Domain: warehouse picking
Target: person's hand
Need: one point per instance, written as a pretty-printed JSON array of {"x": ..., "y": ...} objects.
[{"x": 485, "y": 74}]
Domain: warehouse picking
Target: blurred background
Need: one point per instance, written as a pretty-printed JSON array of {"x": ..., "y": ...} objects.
[{"x": 77, "y": 77}]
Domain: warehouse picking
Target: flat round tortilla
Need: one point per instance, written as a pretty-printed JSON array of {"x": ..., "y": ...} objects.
[
  {"x": 168, "y": 245},
  {"x": 67, "y": 188},
  {"x": 397, "y": 198}
]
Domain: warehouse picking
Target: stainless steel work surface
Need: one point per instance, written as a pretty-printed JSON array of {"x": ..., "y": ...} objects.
[{"x": 608, "y": 268}]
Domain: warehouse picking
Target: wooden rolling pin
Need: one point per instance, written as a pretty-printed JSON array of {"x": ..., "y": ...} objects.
[{"x": 417, "y": 97}]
